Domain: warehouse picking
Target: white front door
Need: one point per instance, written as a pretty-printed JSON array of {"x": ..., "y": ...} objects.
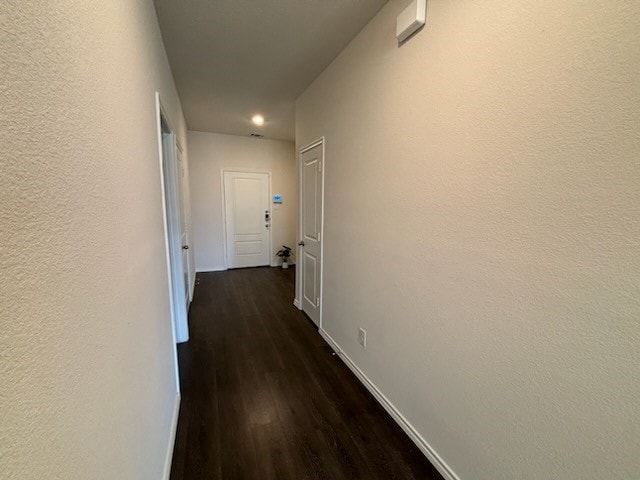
[
  {"x": 311, "y": 165},
  {"x": 247, "y": 216}
]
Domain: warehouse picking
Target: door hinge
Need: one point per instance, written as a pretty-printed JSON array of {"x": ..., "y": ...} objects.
[
  {"x": 318, "y": 302},
  {"x": 319, "y": 166}
]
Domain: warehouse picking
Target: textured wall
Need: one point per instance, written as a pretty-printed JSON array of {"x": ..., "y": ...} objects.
[
  {"x": 87, "y": 385},
  {"x": 210, "y": 153},
  {"x": 482, "y": 223}
]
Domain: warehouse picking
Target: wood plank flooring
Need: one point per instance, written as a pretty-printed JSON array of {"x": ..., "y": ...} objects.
[{"x": 264, "y": 398}]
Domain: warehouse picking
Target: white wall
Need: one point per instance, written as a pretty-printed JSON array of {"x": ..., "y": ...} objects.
[
  {"x": 482, "y": 224},
  {"x": 209, "y": 154},
  {"x": 86, "y": 372}
]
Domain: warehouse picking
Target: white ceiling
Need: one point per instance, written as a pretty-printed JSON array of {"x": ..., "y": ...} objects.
[{"x": 234, "y": 58}]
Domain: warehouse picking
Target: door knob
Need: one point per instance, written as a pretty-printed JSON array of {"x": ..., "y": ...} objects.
[
  {"x": 301, "y": 244},
  {"x": 185, "y": 247}
]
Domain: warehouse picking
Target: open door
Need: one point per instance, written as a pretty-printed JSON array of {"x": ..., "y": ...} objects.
[
  {"x": 184, "y": 225},
  {"x": 172, "y": 201},
  {"x": 311, "y": 165}
]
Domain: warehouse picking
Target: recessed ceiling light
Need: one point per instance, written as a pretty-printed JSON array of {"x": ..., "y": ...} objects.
[{"x": 258, "y": 119}]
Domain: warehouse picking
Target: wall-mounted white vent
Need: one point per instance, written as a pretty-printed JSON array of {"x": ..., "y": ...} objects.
[{"x": 411, "y": 19}]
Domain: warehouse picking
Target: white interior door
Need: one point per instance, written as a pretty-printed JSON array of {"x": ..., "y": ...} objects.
[
  {"x": 247, "y": 217},
  {"x": 310, "y": 243},
  {"x": 172, "y": 202},
  {"x": 184, "y": 241}
]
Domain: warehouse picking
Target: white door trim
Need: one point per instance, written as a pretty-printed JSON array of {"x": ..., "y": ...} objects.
[
  {"x": 160, "y": 117},
  {"x": 224, "y": 209},
  {"x": 299, "y": 267}
]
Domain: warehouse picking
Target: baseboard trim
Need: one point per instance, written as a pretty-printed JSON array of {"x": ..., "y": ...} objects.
[
  {"x": 172, "y": 439},
  {"x": 211, "y": 269},
  {"x": 296, "y": 303},
  {"x": 413, "y": 434}
]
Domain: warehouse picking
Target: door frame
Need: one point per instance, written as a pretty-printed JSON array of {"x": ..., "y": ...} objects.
[
  {"x": 260, "y": 171},
  {"x": 179, "y": 324},
  {"x": 300, "y": 265}
]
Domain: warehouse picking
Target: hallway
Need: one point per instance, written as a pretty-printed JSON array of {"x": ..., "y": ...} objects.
[{"x": 264, "y": 398}]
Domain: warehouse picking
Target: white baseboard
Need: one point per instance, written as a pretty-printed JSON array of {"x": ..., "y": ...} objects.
[
  {"x": 172, "y": 439},
  {"x": 297, "y": 304},
  {"x": 420, "y": 442},
  {"x": 211, "y": 269},
  {"x": 223, "y": 268}
]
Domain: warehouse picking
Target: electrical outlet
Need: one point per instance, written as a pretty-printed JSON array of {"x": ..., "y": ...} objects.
[{"x": 362, "y": 337}]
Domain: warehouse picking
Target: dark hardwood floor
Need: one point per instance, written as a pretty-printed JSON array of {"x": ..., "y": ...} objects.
[{"x": 264, "y": 398}]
